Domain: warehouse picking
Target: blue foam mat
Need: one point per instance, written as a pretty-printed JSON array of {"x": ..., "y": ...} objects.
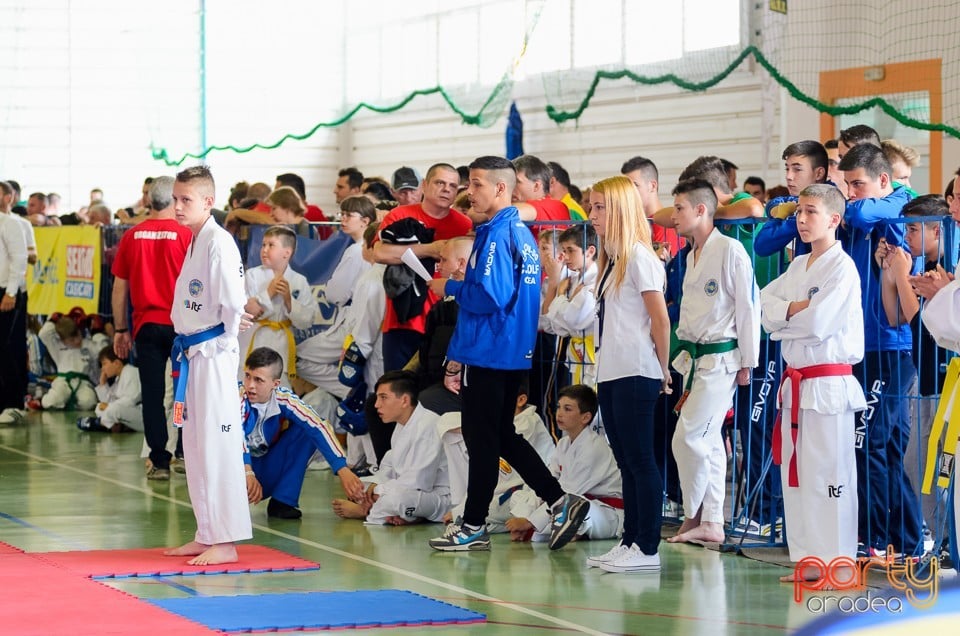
[{"x": 317, "y": 610}]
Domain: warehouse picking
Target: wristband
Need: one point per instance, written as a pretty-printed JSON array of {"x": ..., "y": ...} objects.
[
  {"x": 250, "y": 473},
  {"x": 121, "y": 330}
]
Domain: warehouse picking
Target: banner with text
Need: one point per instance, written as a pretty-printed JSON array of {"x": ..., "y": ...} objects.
[{"x": 67, "y": 271}]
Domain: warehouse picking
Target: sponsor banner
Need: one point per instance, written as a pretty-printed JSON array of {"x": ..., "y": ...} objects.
[{"x": 67, "y": 271}]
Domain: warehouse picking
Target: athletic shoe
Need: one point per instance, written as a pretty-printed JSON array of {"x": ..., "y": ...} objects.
[
  {"x": 633, "y": 560},
  {"x": 158, "y": 474},
  {"x": 568, "y": 516},
  {"x": 280, "y": 510},
  {"x": 91, "y": 424},
  {"x": 12, "y": 416},
  {"x": 178, "y": 466},
  {"x": 612, "y": 554},
  {"x": 457, "y": 539}
]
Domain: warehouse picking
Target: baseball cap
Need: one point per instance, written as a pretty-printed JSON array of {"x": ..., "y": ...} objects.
[{"x": 405, "y": 178}]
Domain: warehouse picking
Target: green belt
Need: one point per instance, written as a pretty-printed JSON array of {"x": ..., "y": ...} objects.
[
  {"x": 70, "y": 376},
  {"x": 700, "y": 349}
]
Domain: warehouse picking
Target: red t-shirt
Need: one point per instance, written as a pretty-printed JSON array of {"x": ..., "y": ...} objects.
[
  {"x": 316, "y": 215},
  {"x": 549, "y": 210},
  {"x": 453, "y": 225},
  {"x": 150, "y": 256},
  {"x": 660, "y": 234}
]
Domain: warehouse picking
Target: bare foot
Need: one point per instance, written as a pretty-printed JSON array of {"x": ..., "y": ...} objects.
[
  {"x": 705, "y": 532},
  {"x": 187, "y": 549},
  {"x": 347, "y": 509},
  {"x": 217, "y": 553}
]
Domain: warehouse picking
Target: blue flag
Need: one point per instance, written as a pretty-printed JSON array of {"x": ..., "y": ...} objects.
[{"x": 514, "y": 133}]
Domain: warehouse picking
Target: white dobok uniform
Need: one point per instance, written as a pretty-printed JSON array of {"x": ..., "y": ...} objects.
[
  {"x": 821, "y": 511},
  {"x": 208, "y": 292},
  {"x": 529, "y": 426},
  {"x": 122, "y": 399},
  {"x": 574, "y": 317},
  {"x": 941, "y": 316},
  {"x": 274, "y": 328},
  {"x": 412, "y": 482},
  {"x": 720, "y": 302},
  {"x": 74, "y": 360},
  {"x": 586, "y": 467}
]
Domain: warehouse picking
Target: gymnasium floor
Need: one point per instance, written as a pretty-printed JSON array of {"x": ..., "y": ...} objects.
[{"x": 63, "y": 489}]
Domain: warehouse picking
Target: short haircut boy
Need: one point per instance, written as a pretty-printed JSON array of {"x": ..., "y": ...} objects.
[
  {"x": 67, "y": 328},
  {"x": 201, "y": 178},
  {"x": 698, "y": 191},
  {"x": 400, "y": 383},
  {"x": 859, "y": 134},
  {"x": 583, "y": 236},
  {"x": 894, "y": 151},
  {"x": 710, "y": 169},
  {"x": 584, "y": 396},
  {"x": 288, "y": 238},
  {"x": 755, "y": 181},
  {"x": 107, "y": 354},
  {"x": 812, "y": 150},
  {"x": 265, "y": 358},
  {"x": 559, "y": 173},
  {"x": 502, "y": 168},
  {"x": 927, "y": 205},
  {"x": 868, "y": 157},
  {"x": 830, "y": 196},
  {"x": 646, "y": 167},
  {"x": 354, "y": 177}
]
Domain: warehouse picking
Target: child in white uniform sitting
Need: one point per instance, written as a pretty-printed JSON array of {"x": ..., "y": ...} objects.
[
  {"x": 119, "y": 394},
  {"x": 584, "y": 465},
  {"x": 72, "y": 388}
]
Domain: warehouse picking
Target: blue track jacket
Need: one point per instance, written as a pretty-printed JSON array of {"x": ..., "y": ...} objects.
[{"x": 499, "y": 297}]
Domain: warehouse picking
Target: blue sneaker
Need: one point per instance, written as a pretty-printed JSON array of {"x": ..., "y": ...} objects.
[
  {"x": 456, "y": 539},
  {"x": 568, "y": 516}
]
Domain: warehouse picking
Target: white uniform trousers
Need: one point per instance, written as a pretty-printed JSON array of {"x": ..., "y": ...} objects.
[
  {"x": 360, "y": 450},
  {"x": 213, "y": 450},
  {"x": 602, "y": 522},
  {"x": 821, "y": 514},
  {"x": 130, "y": 415},
  {"x": 410, "y": 504},
  {"x": 59, "y": 394},
  {"x": 698, "y": 442}
]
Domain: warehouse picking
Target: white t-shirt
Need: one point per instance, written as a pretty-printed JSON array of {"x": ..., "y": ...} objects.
[{"x": 626, "y": 346}]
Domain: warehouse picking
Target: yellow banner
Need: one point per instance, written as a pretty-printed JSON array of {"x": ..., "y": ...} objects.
[{"x": 67, "y": 271}]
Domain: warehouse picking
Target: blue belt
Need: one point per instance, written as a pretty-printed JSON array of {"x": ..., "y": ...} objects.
[{"x": 180, "y": 365}]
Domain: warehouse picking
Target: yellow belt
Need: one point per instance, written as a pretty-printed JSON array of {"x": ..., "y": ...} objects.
[
  {"x": 581, "y": 353},
  {"x": 279, "y": 325},
  {"x": 946, "y": 408}
]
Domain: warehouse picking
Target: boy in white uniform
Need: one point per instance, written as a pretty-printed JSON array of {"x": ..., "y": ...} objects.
[
  {"x": 814, "y": 309},
  {"x": 572, "y": 310},
  {"x": 279, "y": 299},
  {"x": 529, "y": 426},
  {"x": 119, "y": 408},
  {"x": 72, "y": 387},
  {"x": 412, "y": 483},
  {"x": 584, "y": 465},
  {"x": 719, "y": 333},
  {"x": 207, "y": 315}
]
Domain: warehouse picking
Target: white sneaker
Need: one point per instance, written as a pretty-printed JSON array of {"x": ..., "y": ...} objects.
[
  {"x": 633, "y": 560},
  {"x": 12, "y": 416},
  {"x": 610, "y": 555}
]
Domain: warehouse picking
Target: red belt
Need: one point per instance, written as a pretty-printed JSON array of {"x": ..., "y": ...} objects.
[
  {"x": 796, "y": 377},
  {"x": 613, "y": 502}
]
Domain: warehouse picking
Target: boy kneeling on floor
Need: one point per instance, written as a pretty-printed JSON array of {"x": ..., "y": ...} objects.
[{"x": 281, "y": 433}]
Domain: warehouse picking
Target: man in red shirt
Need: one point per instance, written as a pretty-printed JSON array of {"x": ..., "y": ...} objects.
[
  {"x": 533, "y": 188},
  {"x": 402, "y": 339},
  {"x": 152, "y": 254},
  {"x": 645, "y": 177}
]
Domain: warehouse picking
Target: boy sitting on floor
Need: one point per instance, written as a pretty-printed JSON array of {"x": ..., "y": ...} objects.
[
  {"x": 584, "y": 465},
  {"x": 72, "y": 388},
  {"x": 412, "y": 484},
  {"x": 119, "y": 394},
  {"x": 281, "y": 434}
]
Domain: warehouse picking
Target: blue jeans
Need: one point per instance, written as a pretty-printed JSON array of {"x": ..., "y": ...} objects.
[
  {"x": 889, "y": 512},
  {"x": 626, "y": 406}
]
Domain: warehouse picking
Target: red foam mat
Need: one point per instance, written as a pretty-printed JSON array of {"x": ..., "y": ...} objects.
[
  {"x": 152, "y": 562},
  {"x": 41, "y": 599},
  {"x": 6, "y": 548}
]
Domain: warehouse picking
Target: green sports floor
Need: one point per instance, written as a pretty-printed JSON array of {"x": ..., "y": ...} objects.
[{"x": 63, "y": 489}]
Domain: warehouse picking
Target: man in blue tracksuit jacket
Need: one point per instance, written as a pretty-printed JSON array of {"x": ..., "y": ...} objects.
[
  {"x": 499, "y": 299},
  {"x": 281, "y": 434}
]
